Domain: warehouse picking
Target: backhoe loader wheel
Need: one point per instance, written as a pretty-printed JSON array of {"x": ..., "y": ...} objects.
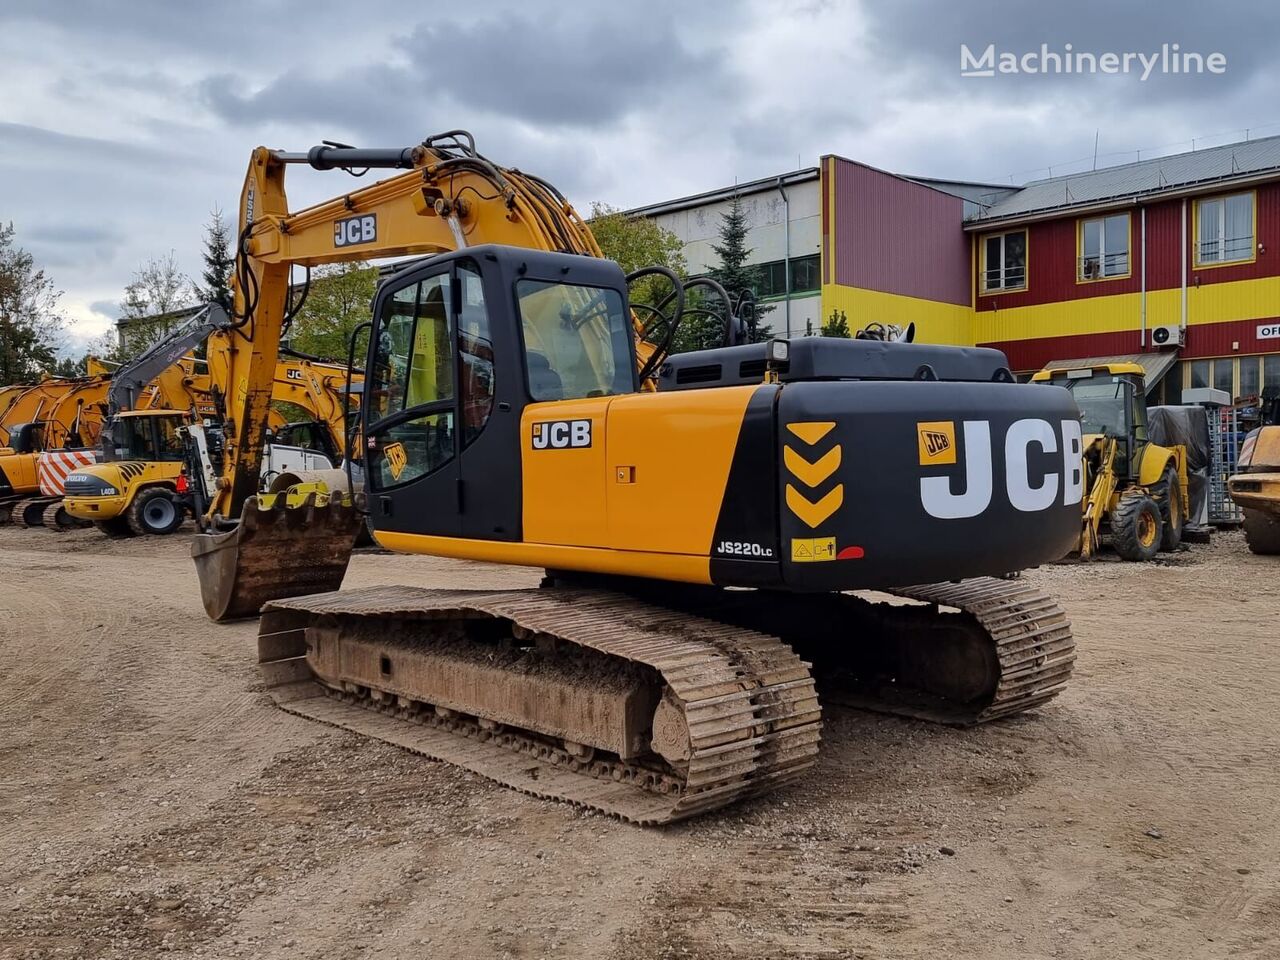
[
  {"x": 1262, "y": 532},
  {"x": 116, "y": 528},
  {"x": 1137, "y": 527},
  {"x": 154, "y": 511},
  {"x": 1171, "y": 502}
]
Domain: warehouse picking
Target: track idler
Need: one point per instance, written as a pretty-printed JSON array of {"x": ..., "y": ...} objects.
[{"x": 275, "y": 552}]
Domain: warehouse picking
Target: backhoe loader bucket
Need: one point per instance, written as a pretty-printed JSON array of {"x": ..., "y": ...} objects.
[{"x": 275, "y": 552}]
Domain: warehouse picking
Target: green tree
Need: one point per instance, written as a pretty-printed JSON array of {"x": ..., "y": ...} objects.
[
  {"x": 636, "y": 242},
  {"x": 153, "y": 304},
  {"x": 837, "y": 325},
  {"x": 30, "y": 325},
  {"x": 734, "y": 274},
  {"x": 218, "y": 262},
  {"x": 338, "y": 301}
]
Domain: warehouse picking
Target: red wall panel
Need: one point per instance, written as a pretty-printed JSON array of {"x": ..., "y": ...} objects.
[{"x": 896, "y": 236}]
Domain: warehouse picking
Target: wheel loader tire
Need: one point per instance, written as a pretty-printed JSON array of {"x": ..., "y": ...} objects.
[
  {"x": 117, "y": 528},
  {"x": 1171, "y": 504},
  {"x": 154, "y": 511},
  {"x": 1262, "y": 532},
  {"x": 1137, "y": 527}
]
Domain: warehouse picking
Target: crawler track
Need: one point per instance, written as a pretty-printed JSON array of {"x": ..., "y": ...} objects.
[{"x": 747, "y": 701}]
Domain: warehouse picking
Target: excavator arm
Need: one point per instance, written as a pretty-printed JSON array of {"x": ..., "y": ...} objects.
[{"x": 449, "y": 198}]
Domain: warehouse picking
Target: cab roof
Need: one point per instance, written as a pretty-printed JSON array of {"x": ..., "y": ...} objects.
[{"x": 1111, "y": 368}]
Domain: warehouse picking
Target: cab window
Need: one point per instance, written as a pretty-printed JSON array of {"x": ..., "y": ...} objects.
[
  {"x": 475, "y": 348},
  {"x": 415, "y": 406},
  {"x": 577, "y": 340}
]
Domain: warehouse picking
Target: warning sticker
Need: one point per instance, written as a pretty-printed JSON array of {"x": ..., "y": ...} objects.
[
  {"x": 816, "y": 550},
  {"x": 937, "y": 442},
  {"x": 396, "y": 458}
]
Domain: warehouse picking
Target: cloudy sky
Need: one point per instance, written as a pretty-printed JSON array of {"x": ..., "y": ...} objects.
[{"x": 123, "y": 124}]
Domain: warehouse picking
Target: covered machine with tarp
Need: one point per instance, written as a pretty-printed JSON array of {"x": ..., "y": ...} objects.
[{"x": 1188, "y": 427}]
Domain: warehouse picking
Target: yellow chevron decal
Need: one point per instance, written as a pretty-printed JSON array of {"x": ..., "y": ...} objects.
[
  {"x": 814, "y": 513},
  {"x": 812, "y": 474},
  {"x": 812, "y": 431}
]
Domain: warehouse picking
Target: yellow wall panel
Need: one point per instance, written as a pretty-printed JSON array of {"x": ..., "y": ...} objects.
[{"x": 947, "y": 323}]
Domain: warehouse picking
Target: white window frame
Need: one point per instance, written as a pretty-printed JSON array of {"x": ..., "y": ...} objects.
[
  {"x": 1103, "y": 253},
  {"x": 1004, "y": 286},
  {"x": 1221, "y": 238}
]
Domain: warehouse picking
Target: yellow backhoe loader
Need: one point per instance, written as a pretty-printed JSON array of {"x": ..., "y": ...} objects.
[
  {"x": 1134, "y": 489},
  {"x": 518, "y": 409},
  {"x": 1256, "y": 485}
]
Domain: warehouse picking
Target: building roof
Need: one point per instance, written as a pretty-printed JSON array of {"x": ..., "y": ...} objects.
[
  {"x": 1178, "y": 173},
  {"x": 725, "y": 193}
]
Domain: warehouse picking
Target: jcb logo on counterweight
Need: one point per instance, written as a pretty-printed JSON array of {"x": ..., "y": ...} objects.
[
  {"x": 945, "y": 499},
  {"x": 937, "y": 442},
  {"x": 561, "y": 434},
  {"x": 352, "y": 230}
]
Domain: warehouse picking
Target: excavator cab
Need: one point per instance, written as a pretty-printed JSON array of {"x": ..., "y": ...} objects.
[
  {"x": 26, "y": 438},
  {"x": 1112, "y": 405},
  {"x": 147, "y": 435}
]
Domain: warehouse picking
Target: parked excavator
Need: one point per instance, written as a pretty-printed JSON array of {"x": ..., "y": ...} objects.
[
  {"x": 138, "y": 486},
  {"x": 699, "y": 516},
  {"x": 55, "y": 415},
  {"x": 1255, "y": 486},
  {"x": 1134, "y": 490}
]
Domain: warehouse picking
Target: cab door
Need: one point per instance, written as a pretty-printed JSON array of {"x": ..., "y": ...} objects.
[{"x": 410, "y": 406}]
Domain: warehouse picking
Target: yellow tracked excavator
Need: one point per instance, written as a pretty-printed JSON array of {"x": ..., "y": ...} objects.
[{"x": 708, "y": 522}]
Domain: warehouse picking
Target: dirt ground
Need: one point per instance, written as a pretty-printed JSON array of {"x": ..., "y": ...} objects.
[{"x": 153, "y": 801}]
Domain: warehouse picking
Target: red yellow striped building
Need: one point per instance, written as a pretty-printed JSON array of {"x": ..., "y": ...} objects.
[{"x": 1177, "y": 257}]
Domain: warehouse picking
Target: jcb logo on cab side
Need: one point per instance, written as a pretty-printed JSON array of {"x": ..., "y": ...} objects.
[
  {"x": 1028, "y": 490},
  {"x": 561, "y": 434},
  {"x": 937, "y": 440},
  {"x": 352, "y": 230}
]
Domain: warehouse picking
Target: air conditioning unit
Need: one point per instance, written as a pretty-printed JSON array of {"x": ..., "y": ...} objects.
[{"x": 1168, "y": 337}]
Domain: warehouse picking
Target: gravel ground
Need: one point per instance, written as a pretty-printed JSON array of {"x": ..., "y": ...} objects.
[{"x": 153, "y": 801}]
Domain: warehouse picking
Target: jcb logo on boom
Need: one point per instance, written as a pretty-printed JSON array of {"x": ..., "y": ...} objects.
[
  {"x": 561, "y": 434},
  {"x": 1027, "y": 491},
  {"x": 353, "y": 230}
]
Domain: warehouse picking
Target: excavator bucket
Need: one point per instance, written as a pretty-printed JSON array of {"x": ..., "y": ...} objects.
[{"x": 276, "y": 552}]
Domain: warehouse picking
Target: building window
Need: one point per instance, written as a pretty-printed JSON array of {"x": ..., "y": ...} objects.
[
  {"x": 771, "y": 278},
  {"x": 1250, "y": 385},
  {"x": 1223, "y": 376},
  {"x": 1004, "y": 261},
  {"x": 1104, "y": 247},
  {"x": 1224, "y": 229},
  {"x": 1199, "y": 374},
  {"x": 805, "y": 274},
  {"x": 1271, "y": 371}
]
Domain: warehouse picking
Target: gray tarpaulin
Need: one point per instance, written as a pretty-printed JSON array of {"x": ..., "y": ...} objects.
[{"x": 1189, "y": 426}]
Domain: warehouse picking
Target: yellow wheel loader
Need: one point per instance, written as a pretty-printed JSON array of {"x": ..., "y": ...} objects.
[
  {"x": 701, "y": 518},
  {"x": 1134, "y": 490},
  {"x": 1256, "y": 485}
]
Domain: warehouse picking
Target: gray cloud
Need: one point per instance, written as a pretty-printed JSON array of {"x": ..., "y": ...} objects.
[{"x": 121, "y": 127}]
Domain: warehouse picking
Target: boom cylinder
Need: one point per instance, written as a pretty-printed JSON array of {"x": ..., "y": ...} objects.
[{"x": 326, "y": 157}]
